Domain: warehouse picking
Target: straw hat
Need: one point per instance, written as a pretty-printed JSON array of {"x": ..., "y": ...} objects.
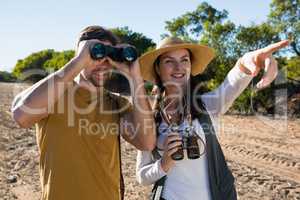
[{"x": 201, "y": 57}]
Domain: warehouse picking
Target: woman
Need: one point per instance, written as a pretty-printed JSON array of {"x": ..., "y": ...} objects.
[{"x": 172, "y": 67}]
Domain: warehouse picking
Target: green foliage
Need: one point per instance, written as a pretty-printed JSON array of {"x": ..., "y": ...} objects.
[
  {"x": 140, "y": 41},
  {"x": 285, "y": 19},
  {"x": 243, "y": 103},
  {"x": 220, "y": 37},
  {"x": 58, "y": 60},
  {"x": 6, "y": 77},
  {"x": 254, "y": 37},
  {"x": 148, "y": 87},
  {"x": 292, "y": 68},
  {"x": 37, "y": 65},
  {"x": 33, "y": 61},
  {"x": 192, "y": 24}
]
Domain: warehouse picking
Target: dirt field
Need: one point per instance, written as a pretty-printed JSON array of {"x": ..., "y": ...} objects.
[{"x": 263, "y": 154}]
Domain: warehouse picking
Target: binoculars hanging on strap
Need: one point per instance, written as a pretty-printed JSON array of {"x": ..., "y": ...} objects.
[
  {"x": 189, "y": 139},
  {"x": 189, "y": 143}
]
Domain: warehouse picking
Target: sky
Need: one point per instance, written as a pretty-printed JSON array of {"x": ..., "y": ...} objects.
[{"x": 34, "y": 25}]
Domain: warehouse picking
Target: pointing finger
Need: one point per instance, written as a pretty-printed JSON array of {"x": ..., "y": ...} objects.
[{"x": 267, "y": 51}]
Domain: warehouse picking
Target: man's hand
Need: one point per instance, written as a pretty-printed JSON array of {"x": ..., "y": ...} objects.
[
  {"x": 252, "y": 62},
  {"x": 83, "y": 55},
  {"x": 142, "y": 116},
  {"x": 131, "y": 69}
]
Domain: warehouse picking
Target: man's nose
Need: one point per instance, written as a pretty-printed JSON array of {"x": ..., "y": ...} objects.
[{"x": 104, "y": 61}]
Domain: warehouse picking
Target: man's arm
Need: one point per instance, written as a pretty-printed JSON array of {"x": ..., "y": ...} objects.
[
  {"x": 33, "y": 104},
  {"x": 137, "y": 127}
]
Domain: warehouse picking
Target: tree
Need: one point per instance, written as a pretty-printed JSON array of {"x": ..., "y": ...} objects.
[
  {"x": 192, "y": 24},
  {"x": 292, "y": 68},
  {"x": 34, "y": 61},
  {"x": 42, "y": 63},
  {"x": 140, "y": 41},
  {"x": 285, "y": 18},
  {"x": 58, "y": 60},
  {"x": 255, "y": 37},
  {"x": 6, "y": 77}
]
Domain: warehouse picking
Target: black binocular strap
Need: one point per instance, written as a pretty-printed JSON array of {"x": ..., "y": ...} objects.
[
  {"x": 115, "y": 106},
  {"x": 159, "y": 185}
]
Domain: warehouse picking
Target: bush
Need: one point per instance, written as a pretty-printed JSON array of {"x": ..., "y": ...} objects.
[{"x": 6, "y": 77}]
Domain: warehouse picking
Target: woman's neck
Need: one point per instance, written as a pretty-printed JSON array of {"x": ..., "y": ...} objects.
[
  {"x": 174, "y": 105},
  {"x": 173, "y": 98}
]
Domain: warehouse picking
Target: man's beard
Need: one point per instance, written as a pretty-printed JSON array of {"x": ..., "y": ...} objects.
[{"x": 106, "y": 76}]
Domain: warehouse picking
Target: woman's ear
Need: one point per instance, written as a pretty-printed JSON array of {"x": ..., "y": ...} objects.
[{"x": 157, "y": 69}]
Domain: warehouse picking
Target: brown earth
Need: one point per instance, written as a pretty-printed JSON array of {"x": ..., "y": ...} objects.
[{"x": 263, "y": 153}]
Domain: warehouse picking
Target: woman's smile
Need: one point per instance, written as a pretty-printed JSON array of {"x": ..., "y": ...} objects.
[{"x": 178, "y": 75}]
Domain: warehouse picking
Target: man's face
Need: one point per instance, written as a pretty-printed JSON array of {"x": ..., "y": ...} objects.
[{"x": 100, "y": 72}]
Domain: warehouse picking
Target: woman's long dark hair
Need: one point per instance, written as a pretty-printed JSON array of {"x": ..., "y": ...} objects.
[{"x": 194, "y": 91}]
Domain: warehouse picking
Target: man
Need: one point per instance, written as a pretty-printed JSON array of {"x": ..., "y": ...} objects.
[{"x": 78, "y": 122}]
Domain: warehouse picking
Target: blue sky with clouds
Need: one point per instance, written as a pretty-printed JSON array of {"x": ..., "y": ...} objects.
[{"x": 34, "y": 25}]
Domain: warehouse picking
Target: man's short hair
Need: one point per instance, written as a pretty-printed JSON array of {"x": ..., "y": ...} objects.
[{"x": 98, "y": 32}]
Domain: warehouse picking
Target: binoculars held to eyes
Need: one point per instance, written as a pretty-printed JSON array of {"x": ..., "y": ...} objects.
[{"x": 118, "y": 54}]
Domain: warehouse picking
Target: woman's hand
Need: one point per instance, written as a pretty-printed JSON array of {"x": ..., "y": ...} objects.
[
  {"x": 171, "y": 145},
  {"x": 252, "y": 62}
]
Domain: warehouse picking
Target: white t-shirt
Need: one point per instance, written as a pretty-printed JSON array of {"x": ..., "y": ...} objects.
[{"x": 181, "y": 182}]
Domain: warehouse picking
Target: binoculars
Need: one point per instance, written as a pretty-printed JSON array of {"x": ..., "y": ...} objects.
[
  {"x": 189, "y": 142},
  {"x": 118, "y": 54}
]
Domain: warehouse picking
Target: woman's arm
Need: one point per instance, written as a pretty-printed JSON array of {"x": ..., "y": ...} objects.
[
  {"x": 248, "y": 66},
  {"x": 147, "y": 170},
  {"x": 219, "y": 100}
]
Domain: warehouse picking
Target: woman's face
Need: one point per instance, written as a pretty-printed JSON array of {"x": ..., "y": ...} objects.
[{"x": 174, "y": 68}]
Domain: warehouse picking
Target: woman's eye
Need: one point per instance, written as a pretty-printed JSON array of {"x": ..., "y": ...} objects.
[{"x": 185, "y": 60}]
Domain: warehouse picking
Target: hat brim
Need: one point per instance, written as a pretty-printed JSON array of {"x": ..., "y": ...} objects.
[{"x": 201, "y": 57}]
